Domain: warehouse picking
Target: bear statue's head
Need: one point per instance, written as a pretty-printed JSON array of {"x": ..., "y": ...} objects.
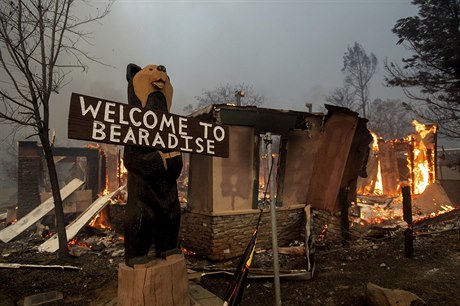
[{"x": 149, "y": 79}]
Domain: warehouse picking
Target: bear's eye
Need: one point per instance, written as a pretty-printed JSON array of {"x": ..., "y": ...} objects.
[{"x": 151, "y": 69}]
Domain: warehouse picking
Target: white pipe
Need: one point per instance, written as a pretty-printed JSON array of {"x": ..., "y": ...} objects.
[{"x": 276, "y": 266}]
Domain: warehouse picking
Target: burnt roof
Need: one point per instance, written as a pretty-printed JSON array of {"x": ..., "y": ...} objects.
[{"x": 261, "y": 119}]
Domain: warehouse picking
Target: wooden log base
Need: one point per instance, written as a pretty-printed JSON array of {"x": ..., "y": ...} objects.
[{"x": 160, "y": 282}]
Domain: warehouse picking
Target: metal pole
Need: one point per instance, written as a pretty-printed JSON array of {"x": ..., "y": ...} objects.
[
  {"x": 407, "y": 216},
  {"x": 412, "y": 164},
  {"x": 119, "y": 168},
  {"x": 276, "y": 262}
]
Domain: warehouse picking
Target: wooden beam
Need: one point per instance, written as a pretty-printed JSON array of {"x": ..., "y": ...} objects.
[
  {"x": 389, "y": 168},
  {"x": 309, "y": 240},
  {"x": 52, "y": 245},
  {"x": 25, "y": 222},
  {"x": 7, "y": 265}
]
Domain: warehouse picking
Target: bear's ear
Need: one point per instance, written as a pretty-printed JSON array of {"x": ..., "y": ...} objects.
[{"x": 131, "y": 71}]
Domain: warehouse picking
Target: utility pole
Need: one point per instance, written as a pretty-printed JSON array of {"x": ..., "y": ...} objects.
[{"x": 238, "y": 95}]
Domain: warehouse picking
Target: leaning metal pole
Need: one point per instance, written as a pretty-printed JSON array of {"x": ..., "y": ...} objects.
[{"x": 276, "y": 262}]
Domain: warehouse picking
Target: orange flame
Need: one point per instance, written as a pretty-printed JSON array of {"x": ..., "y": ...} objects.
[
  {"x": 421, "y": 158},
  {"x": 100, "y": 221},
  {"x": 375, "y": 142},
  {"x": 422, "y": 129},
  {"x": 375, "y": 186},
  {"x": 378, "y": 187},
  {"x": 96, "y": 146},
  {"x": 121, "y": 169}
]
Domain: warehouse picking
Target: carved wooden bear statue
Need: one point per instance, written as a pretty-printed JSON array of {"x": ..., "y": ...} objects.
[{"x": 153, "y": 208}]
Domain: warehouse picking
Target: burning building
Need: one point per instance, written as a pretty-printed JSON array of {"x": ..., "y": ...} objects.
[
  {"x": 410, "y": 161},
  {"x": 86, "y": 164},
  {"x": 83, "y": 175}
]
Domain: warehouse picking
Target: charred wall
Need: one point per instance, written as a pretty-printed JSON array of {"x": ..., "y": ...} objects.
[
  {"x": 29, "y": 167},
  {"x": 313, "y": 155}
]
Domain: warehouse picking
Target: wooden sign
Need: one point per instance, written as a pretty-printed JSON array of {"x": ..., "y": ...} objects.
[{"x": 99, "y": 120}]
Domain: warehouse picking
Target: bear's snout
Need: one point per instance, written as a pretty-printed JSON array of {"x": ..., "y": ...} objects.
[
  {"x": 159, "y": 82},
  {"x": 150, "y": 79}
]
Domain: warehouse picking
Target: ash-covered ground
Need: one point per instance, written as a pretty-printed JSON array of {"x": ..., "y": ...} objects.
[{"x": 342, "y": 268}]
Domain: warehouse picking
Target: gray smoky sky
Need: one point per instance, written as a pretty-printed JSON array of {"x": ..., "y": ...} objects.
[{"x": 291, "y": 52}]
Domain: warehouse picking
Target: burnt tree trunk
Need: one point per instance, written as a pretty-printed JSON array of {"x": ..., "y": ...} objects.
[{"x": 58, "y": 210}]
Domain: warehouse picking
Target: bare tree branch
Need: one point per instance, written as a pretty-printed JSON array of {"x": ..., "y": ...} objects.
[
  {"x": 359, "y": 68},
  {"x": 40, "y": 43},
  {"x": 431, "y": 75},
  {"x": 344, "y": 96},
  {"x": 225, "y": 94}
]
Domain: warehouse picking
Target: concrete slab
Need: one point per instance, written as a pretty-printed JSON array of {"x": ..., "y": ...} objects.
[{"x": 202, "y": 297}]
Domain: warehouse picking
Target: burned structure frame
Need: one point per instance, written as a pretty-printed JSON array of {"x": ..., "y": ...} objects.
[
  {"x": 223, "y": 193},
  {"x": 30, "y": 172}
]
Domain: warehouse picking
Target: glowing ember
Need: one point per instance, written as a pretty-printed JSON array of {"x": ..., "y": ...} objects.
[
  {"x": 391, "y": 212},
  {"x": 79, "y": 243},
  {"x": 445, "y": 209},
  {"x": 323, "y": 233},
  {"x": 187, "y": 252},
  {"x": 377, "y": 214}
]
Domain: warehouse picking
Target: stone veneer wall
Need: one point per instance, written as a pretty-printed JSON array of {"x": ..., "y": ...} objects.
[
  {"x": 222, "y": 236},
  {"x": 326, "y": 226}
]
